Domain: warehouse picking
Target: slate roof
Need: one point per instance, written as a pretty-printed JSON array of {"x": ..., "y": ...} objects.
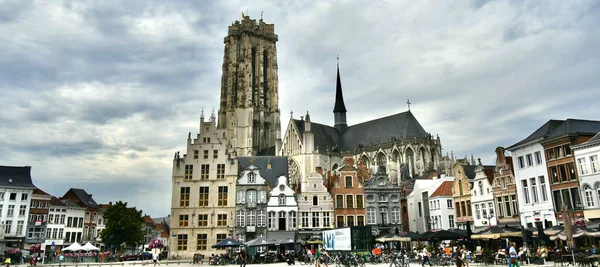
[
  {"x": 54, "y": 201},
  {"x": 540, "y": 133},
  {"x": 400, "y": 125},
  {"x": 279, "y": 166},
  {"x": 575, "y": 127},
  {"x": 269, "y": 151},
  {"x": 38, "y": 191},
  {"x": 72, "y": 204},
  {"x": 593, "y": 141},
  {"x": 596, "y": 138},
  {"x": 12, "y": 176},
  {"x": 445, "y": 190},
  {"x": 85, "y": 198},
  {"x": 470, "y": 171}
]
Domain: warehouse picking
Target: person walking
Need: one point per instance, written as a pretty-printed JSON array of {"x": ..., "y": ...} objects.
[
  {"x": 467, "y": 256},
  {"x": 459, "y": 257},
  {"x": 514, "y": 260},
  {"x": 325, "y": 258},
  {"x": 426, "y": 256},
  {"x": 243, "y": 256}
]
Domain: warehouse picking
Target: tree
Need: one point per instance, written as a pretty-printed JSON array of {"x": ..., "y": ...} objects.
[{"x": 123, "y": 225}]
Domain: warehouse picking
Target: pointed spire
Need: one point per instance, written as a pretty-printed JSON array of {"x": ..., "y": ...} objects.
[{"x": 339, "y": 97}]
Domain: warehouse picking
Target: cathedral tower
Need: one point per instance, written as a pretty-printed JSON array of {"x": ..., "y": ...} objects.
[{"x": 249, "y": 108}]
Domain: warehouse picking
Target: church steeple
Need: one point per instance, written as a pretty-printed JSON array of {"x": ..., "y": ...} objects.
[{"x": 339, "y": 109}]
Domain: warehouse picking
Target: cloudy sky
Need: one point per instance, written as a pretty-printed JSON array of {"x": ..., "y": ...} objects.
[{"x": 99, "y": 95}]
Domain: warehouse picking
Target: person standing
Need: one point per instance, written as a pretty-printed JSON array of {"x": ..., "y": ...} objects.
[
  {"x": 155, "y": 258},
  {"x": 243, "y": 256}
]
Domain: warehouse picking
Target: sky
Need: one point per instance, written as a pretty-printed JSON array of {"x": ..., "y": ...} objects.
[{"x": 99, "y": 95}]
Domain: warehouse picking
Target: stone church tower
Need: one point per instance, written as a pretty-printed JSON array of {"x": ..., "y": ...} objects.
[{"x": 249, "y": 108}]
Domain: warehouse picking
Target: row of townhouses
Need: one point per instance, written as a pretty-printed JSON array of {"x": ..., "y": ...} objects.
[
  {"x": 240, "y": 178},
  {"x": 29, "y": 216}
]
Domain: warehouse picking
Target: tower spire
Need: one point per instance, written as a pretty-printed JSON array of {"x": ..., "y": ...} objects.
[
  {"x": 339, "y": 109},
  {"x": 339, "y": 96}
]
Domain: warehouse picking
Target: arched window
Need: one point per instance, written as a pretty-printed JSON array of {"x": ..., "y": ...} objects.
[
  {"x": 460, "y": 188},
  {"x": 381, "y": 159},
  {"x": 383, "y": 214},
  {"x": 597, "y": 187},
  {"x": 252, "y": 218},
  {"x": 480, "y": 187},
  {"x": 251, "y": 177},
  {"x": 240, "y": 218},
  {"x": 293, "y": 220},
  {"x": 251, "y": 197},
  {"x": 371, "y": 216},
  {"x": 315, "y": 201},
  {"x": 281, "y": 200},
  {"x": 589, "y": 195},
  {"x": 395, "y": 215},
  {"x": 262, "y": 218}
]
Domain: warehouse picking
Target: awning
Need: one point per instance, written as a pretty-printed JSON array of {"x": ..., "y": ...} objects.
[{"x": 282, "y": 237}]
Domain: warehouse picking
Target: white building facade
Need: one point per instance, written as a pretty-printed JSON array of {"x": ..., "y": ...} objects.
[
  {"x": 441, "y": 207},
  {"x": 588, "y": 165},
  {"x": 16, "y": 189},
  {"x": 74, "y": 222},
  {"x": 531, "y": 178},
  {"x": 419, "y": 213},
  {"x": 282, "y": 208},
  {"x": 482, "y": 199},
  {"x": 57, "y": 218}
]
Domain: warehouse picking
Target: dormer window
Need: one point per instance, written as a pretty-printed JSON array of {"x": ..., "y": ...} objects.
[{"x": 251, "y": 177}]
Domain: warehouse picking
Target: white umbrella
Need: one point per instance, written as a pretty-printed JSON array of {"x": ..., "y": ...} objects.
[
  {"x": 88, "y": 246},
  {"x": 74, "y": 247}
]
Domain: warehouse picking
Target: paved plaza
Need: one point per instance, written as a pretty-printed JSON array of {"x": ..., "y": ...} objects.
[{"x": 189, "y": 264}]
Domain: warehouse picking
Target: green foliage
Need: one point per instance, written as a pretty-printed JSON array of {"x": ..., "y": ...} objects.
[{"x": 123, "y": 225}]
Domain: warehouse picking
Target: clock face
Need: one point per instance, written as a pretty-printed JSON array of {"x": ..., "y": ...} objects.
[{"x": 502, "y": 171}]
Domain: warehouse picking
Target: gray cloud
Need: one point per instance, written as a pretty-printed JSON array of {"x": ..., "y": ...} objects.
[{"x": 107, "y": 91}]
